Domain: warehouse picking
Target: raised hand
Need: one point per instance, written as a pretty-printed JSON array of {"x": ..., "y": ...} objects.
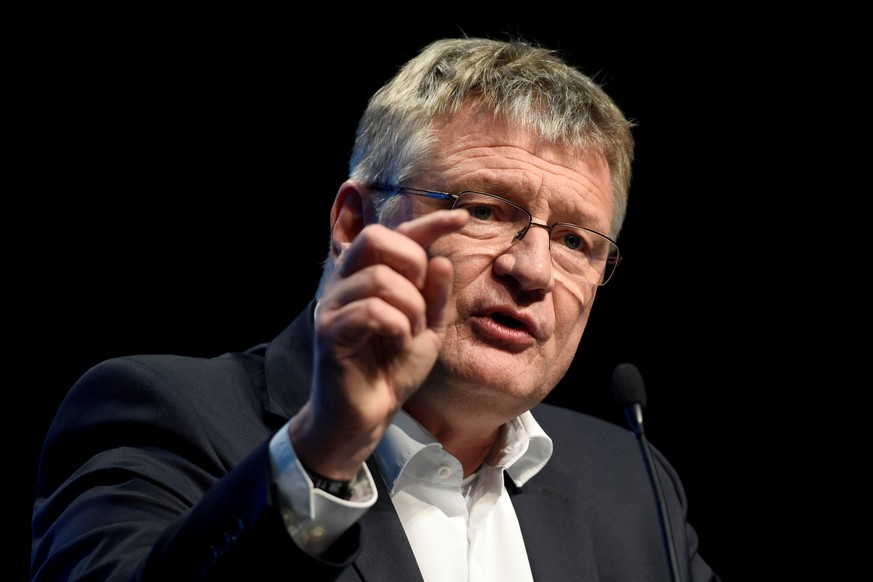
[{"x": 379, "y": 328}]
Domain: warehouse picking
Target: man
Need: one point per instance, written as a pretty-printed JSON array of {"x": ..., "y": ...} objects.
[{"x": 394, "y": 431}]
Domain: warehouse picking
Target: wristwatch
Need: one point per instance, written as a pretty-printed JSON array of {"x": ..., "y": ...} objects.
[{"x": 335, "y": 487}]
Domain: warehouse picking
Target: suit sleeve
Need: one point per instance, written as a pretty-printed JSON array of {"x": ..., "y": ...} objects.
[{"x": 157, "y": 468}]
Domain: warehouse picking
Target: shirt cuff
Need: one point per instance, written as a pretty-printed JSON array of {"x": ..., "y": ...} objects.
[{"x": 315, "y": 518}]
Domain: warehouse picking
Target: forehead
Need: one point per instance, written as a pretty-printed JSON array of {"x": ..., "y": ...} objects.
[{"x": 475, "y": 151}]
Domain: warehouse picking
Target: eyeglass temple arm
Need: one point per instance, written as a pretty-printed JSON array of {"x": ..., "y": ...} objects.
[{"x": 419, "y": 192}]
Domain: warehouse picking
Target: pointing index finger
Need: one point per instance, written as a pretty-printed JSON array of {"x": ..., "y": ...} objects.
[
  {"x": 429, "y": 228},
  {"x": 403, "y": 248}
]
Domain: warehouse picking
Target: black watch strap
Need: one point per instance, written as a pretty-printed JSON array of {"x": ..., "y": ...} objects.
[{"x": 336, "y": 488}]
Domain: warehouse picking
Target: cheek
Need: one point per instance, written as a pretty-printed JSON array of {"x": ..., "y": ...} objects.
[{"x": 572, "y": 308}]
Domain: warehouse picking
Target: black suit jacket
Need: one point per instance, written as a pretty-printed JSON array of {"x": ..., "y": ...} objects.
[{"x": 157, "y": 468}]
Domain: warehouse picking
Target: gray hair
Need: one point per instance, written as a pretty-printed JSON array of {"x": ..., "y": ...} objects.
[{"x": 520, "y": 82}]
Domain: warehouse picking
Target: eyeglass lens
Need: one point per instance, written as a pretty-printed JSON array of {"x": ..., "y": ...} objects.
[{"x": 500, "y": 223}]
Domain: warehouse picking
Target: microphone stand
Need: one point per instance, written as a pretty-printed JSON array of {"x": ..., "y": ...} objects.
[{"x": 634, "y": 415}]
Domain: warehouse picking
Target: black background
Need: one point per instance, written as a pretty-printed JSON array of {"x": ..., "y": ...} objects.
[{"x": 177, "y": 171}]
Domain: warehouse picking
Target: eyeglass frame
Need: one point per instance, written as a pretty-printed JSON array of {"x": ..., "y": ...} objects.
[{"x": 453, "y": 198}]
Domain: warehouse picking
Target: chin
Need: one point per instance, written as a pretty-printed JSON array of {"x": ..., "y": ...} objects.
[{"x": 498, "y": 375}]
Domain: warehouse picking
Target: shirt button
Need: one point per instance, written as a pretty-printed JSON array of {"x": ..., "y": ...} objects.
[
  {"x": 316, "y": 533},
  {"x": 444, "y": 472}
]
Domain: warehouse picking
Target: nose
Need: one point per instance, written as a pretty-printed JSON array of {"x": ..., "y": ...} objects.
[{"x": 528, "y": 260}]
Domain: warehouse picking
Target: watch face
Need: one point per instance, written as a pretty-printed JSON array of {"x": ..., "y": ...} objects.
[{"x": 336, "y": 488}]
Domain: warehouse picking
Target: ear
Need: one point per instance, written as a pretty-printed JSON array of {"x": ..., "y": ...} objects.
[{"x": 351, "y": 211}]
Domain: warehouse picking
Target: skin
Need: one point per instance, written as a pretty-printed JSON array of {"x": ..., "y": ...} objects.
[{"x": 408, "y": 316}]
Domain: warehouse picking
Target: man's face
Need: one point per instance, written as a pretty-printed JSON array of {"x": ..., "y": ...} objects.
[{"x": 515, "y": 318}]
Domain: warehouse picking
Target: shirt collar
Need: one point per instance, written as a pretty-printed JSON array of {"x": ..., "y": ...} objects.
[{"x": 522, "y": 450}]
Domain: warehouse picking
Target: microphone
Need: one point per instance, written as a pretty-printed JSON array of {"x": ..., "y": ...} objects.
[{"x": 630, "y": 394}]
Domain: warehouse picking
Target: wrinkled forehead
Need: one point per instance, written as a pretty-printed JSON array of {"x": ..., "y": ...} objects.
[{"x": 555, "y": 181}]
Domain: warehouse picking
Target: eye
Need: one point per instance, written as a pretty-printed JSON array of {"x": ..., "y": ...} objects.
[
  {"x": 480, "y": 212},
  {"x": 481, "y": 207},
  {"x": 572, "y": 241}
]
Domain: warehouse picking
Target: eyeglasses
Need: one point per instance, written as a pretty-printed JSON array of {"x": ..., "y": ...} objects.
[{"x": 580, "y": 252}]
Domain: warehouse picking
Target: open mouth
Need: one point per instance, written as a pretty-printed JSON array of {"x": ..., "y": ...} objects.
[{"x": 508, "y": 321}]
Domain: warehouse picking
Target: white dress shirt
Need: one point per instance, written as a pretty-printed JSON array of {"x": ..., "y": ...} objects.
[{"x": 459, "y": 529}]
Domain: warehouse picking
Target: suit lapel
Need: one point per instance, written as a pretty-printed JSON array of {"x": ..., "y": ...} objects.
[
  {"x": 556, "y": 537},
  {"x": 388, "y": 557}
]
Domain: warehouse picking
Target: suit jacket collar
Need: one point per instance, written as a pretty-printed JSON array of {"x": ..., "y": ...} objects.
[{"x": 288, "y": 365}]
